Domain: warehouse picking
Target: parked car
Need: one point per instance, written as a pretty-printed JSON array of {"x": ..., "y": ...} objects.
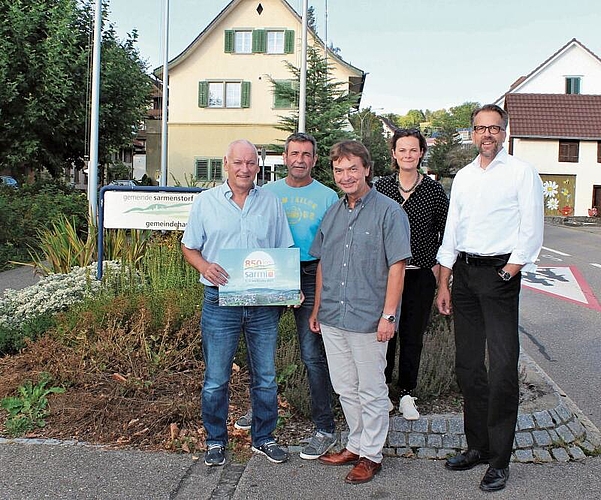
[
  {"x": 125, "y": 182},
  {"x": 7, "y": 180}
]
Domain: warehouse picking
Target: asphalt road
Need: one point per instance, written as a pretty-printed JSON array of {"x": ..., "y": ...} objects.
[
  {"x": 562, "y": 336},
  {"x": 17, "y": 278}
]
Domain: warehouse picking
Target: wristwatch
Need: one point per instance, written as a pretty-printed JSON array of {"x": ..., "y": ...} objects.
[
  {"x": 505, "y": 276},
  {"x": 389, "y": 317}
]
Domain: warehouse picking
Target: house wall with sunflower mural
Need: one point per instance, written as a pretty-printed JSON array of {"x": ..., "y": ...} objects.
[{"x": 568, "y": 186}]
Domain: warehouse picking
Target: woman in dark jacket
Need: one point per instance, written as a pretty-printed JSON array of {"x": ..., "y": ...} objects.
[{"x": 426, "y": 205}]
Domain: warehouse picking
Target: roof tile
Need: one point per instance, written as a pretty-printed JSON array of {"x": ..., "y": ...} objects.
[{"x": 565, "y": 116}]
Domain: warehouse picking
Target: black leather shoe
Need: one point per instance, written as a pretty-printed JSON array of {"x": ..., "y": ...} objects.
[
  {"x": 494, "y": 479},
  {"x": 466, "y": 460}
]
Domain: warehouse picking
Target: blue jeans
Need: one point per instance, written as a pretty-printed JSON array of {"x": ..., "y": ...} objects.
[
  {"x": 221, "y": 327},
  {"x": 313, "y": 355}
]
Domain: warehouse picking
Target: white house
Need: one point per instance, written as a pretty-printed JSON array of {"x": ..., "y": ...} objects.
[{"x": 555, "y": 123}]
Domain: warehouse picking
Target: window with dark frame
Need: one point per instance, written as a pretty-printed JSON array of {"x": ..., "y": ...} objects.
[
  {"x": 568, "y": 151},
  {"x": 572, "y": 85}
]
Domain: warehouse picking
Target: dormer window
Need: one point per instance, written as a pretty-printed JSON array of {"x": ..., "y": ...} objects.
[{"x": 572, "y": 85}]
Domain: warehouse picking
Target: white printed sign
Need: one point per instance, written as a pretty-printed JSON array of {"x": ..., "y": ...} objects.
[{"x": 167, "y": 211}]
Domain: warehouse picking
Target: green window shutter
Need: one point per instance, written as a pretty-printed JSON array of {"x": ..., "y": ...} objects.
[
  {"x": 289, "y": 42},
  {"x": 229, "y": 39},
  {"x": 202, "y": 169},
  {"x": 203, "y": 94},
  {"x": 259, "y": 41},
  {"x": 245, "y": 95},
  {"x": 216, "y": 170}
]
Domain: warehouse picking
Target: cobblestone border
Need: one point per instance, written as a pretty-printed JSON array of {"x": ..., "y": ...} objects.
[
  {"x": 542, "y": 436},
  {"x": 554, "y": 431}
]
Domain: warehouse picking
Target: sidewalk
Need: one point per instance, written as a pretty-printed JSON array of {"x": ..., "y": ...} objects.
[{"x": 55, "y": 471}]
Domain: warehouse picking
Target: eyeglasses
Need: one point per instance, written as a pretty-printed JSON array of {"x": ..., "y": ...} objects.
[{"x": 493, "y": 129}]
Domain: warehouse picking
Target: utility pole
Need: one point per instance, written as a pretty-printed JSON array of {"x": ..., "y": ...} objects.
[
  {"x": 94, "y": 116},
  {"x": 302, "y": 98},
  {"x": 164, "y": 109}
]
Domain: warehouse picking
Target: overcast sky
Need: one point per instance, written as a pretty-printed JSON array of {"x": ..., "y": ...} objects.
[{"x": 423, "y": 54}]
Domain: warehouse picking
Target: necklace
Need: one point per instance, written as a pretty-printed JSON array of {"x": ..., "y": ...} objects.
[{"x": 412, "y": 187}]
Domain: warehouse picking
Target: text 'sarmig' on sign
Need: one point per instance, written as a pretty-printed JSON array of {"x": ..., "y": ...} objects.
[{"x": 259, "y": 267}]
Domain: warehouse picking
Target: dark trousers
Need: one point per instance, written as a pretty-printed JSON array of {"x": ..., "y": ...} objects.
[
  {"x": 416, "y": 305},
  {"x": 485, "y": 312},
  {"x": 313, "y": 354}
]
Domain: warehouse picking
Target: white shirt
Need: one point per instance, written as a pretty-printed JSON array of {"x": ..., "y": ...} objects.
[{"x": 495, "y": 211}]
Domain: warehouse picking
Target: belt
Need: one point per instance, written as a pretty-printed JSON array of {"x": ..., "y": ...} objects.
[{"x": 483, "y": 260}]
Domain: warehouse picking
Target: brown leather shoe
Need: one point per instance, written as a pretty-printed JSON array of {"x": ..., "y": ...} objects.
[
  {"x": 363, "y": 472},
  {"x": 342, "y": 458}
]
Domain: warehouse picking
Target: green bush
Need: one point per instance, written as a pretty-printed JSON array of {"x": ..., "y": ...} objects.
[
  {"x": 29, "y": 312},
  {"x": 29, "y": 409},
  {"x": 31, "y": 208}
]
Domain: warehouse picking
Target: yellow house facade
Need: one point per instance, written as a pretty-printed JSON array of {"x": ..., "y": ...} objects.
[{"x": 220, "y": 87}]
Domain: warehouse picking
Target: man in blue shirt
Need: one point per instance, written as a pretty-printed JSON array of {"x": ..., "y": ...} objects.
[
  {"x": 306, "y": 201},
  {"x": 236, "y": 215}
]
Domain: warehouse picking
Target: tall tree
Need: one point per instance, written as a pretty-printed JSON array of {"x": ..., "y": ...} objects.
[
  {"x": 456, "y": 117},
  {"x": 370, "y": 131},
  {"x": 412, "y": 119},
  {"x": 462, "y": 114},
  {"x": 311, "y": 21},
  {"x": 327, "y": 108},
  {"x": 448, "y": 155},
  {"x": 45, "y": 53}
]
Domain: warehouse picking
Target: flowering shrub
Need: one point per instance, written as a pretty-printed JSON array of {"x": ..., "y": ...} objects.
[{"x": 53, "y": 293}]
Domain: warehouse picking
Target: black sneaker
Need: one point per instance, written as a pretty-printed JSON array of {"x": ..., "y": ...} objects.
[
  {"x": 272, "y": 451},
  {"x": 215, "y": 455}
]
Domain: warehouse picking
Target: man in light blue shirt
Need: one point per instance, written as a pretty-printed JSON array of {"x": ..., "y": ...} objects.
[
  {"x": 236, "y": 215},
  {"x": 306, "y": 201}
]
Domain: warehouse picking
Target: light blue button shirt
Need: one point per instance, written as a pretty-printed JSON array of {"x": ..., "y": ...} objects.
[{"x": 217, "y": 222}]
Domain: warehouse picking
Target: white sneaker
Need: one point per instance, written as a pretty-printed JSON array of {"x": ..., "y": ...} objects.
[{"x": 408, "y": 409}]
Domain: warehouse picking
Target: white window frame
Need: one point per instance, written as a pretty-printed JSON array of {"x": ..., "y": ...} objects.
[
  {"x": 276, "y": 41},
  {"x": 243, "y": 42},
  {"x": 225, "y": 94}
]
